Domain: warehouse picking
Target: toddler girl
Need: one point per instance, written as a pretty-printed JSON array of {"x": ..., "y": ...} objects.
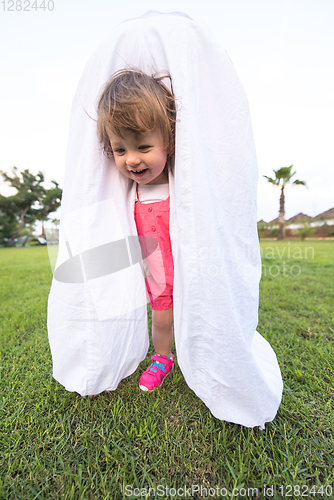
[
  {"x": 136, "y": 125},
  {"x": 192, "y": 206}
]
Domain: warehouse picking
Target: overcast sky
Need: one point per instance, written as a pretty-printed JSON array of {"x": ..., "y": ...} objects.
[{"x": 283, "y": 51}]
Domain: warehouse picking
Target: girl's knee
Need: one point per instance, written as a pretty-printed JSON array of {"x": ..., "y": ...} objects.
[{"x": 162, "y": 318}]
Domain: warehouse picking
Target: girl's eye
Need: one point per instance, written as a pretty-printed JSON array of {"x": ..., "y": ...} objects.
[
  {"x": 119, "y": 151},
  {"x": 144, "y": 147}
]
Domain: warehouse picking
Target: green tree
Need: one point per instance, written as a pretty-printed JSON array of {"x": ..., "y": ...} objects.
[
  {"x": 50, "y": 202},
  {"x": 282, "y": 178},
  {"x": 31, "y": 202},
  {"x": 8, "y": 221}
]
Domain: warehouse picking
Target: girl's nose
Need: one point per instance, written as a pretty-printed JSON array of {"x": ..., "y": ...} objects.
[{"x": 132, "y": 159}]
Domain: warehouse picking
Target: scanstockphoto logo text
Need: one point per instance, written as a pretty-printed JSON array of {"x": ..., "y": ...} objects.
[{"x": 188, "y": 492}]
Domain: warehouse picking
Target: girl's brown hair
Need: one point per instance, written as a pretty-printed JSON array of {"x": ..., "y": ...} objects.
[{"x": 135, "y": 102}]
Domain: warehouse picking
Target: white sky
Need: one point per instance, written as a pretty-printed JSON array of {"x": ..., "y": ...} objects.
[{"x": 283, "y": 51}]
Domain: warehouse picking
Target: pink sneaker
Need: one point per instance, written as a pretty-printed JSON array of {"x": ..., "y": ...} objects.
[{"x": 156, "y": 373}]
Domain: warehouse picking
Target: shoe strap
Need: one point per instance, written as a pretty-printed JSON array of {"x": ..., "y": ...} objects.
[
  {"x": 162, "y": 359},
  {"x": 160, "y": 362}
]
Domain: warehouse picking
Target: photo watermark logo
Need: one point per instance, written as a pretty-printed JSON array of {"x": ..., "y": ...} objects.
[
  {"x": 27, "y": 5},
  {"x": 285, "y": 261},
  {"x": 264, "y": 492}
]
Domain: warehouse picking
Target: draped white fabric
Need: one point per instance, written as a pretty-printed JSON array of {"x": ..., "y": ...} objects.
[{"x": 97, "y": 319}]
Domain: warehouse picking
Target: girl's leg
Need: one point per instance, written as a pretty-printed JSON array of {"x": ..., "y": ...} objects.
[
  {"x": 162, "y": 331},
  {"x": 162, "y": 361}
]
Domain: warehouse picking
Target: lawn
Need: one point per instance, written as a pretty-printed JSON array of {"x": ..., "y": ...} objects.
[{"x": 56, "y": 445}]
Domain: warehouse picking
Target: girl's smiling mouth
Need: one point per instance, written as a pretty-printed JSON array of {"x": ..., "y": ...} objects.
[{"x": 139, "y": 173}]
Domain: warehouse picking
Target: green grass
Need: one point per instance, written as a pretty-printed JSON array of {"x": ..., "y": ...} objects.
[{"x": 56, "y": 445}]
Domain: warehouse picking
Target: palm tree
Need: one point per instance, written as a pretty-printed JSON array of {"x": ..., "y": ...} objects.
[{"x": 282, "y": 178}]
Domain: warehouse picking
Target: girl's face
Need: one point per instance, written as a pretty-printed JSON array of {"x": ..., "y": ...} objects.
[{"x": 141, "y": 157}]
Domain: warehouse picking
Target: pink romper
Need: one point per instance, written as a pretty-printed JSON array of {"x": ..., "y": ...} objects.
[{"x": 152, "y": 219}]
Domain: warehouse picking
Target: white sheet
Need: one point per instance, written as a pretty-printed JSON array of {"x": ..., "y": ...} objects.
[{"x": 98, "y": 327}]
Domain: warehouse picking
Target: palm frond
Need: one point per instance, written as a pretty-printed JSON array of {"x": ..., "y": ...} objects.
[{"x": 270, "y": 179}]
